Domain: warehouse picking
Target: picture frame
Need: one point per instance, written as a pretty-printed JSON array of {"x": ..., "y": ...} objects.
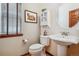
[{"x": 30, "y": 17}]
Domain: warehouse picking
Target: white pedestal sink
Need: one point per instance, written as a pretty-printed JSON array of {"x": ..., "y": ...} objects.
[
  {"x": 63, "y": 42},
  {"x": 62, "y": 47},
  {"x": 61, "y": 50}
]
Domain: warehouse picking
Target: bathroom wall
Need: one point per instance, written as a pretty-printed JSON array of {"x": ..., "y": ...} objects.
[
  {"x": 64, "y": 16},
  {"x": 0, "y": 17},
  {"x": 60, "y": 11},
  {"x": 14, "y": 45},
  {"x": 31, "y": 30},
  {"x": 53, "y": 10}
]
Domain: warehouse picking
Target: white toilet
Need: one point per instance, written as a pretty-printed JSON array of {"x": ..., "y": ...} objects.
[{"x": 37, "y": 49}]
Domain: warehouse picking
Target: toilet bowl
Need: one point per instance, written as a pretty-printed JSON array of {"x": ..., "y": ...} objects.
[{"x": 37, "y": 49}]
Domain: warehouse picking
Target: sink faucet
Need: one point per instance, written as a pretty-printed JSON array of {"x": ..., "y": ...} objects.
[{"x": 65, "y": 33}]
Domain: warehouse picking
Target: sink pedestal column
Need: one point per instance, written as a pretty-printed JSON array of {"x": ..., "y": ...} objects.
[{"x": 61, "y": 50}]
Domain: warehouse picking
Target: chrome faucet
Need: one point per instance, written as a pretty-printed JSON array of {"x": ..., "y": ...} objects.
[{"x": 65, "y": 33}]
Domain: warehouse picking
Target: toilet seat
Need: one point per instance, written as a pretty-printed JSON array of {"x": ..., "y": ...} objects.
[{"x": 35, "y": 47}]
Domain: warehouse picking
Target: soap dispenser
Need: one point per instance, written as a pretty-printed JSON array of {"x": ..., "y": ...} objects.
[{"x": 45, "y": 33}]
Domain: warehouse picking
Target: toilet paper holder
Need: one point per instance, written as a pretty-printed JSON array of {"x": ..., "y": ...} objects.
[{"x": 24, "y": 41}]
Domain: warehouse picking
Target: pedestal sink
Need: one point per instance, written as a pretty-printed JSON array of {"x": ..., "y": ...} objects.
[
  {"x": 62, "y": 47},
  {"x": 62, "y": 42}
]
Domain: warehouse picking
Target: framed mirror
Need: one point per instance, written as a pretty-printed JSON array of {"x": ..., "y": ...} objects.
[{"x": 73, "y": 17}]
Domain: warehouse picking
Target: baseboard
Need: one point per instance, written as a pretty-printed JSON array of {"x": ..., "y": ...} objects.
[
  {"x": 49, "y": 53},
  {"x": 25, "y": 54}
]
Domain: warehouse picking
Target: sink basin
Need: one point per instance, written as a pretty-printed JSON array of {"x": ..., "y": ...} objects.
[{"x": 62, "y": 42}]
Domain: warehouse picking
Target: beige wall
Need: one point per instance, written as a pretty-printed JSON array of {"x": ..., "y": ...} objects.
[
  {"x": 14, "y": 45},
  {"x": 64, "y": 17},
  {"x": 0, "y": 17}
]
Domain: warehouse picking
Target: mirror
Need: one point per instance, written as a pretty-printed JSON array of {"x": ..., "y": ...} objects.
[{"x": 73, "y": 17}]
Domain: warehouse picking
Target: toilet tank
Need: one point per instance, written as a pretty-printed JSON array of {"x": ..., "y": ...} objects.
[{"x": 44, "y": 40}]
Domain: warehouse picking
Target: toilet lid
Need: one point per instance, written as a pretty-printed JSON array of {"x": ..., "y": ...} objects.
[{"x": 35, "y": 47}]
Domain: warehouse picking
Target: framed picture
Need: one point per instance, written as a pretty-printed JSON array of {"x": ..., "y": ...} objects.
[{"x": 30, "y": 16}]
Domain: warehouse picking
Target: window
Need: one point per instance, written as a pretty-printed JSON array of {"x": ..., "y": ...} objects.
[{"x": 10, "y": 19}]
